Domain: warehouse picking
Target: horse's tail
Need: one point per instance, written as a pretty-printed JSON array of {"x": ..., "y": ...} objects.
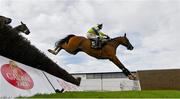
[{"x": 64, "y": 40}]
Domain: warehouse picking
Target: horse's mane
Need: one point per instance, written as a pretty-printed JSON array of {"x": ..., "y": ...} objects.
[
  {"x": 112, "y": 39},
  {"x": 66, "y": 39}
]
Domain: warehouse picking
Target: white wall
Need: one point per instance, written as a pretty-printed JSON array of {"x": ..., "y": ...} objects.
[
  {"x": 90, "y": 84},
  {"x": 113, "y": 84},
  {"x": 120, "y": 84}
]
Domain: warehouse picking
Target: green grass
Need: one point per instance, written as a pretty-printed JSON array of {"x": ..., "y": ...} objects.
[{"x": 113, "y": 94}]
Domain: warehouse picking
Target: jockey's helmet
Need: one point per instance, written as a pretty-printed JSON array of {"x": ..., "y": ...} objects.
[{"x": 100, "y": 26}]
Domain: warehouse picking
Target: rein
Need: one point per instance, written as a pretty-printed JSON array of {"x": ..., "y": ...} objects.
[{"x": 114, "y": 40}]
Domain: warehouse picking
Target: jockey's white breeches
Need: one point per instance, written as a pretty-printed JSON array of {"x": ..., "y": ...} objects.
[{"x": 91, "y": 36}]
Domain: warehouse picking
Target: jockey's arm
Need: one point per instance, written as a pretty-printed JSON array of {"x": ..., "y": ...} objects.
[{"x": 102, "y": 34}]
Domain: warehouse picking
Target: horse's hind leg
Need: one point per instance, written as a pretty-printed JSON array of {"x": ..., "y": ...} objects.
[
  {"x": 72, "y": 47},
  {"x": 55, "y": 51}
]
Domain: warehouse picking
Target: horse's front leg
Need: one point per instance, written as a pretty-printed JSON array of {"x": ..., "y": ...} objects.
[{"x": 116, "y": 61}]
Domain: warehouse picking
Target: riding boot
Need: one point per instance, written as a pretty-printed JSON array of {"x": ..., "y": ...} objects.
[{"x": 98, "y": 43}]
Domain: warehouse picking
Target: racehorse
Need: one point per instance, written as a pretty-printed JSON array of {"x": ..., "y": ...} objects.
[
  {"x": 21, "y": 28},
  {"x": 4, "y": 21},
  {"x": 73, "y": 44}
]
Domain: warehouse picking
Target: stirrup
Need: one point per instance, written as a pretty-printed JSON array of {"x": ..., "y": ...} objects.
[{"x": 94, "y": 46}]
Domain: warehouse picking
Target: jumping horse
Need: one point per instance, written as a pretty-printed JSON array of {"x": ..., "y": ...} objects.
[
  {"x": 73, "y": 44},
  {"x": 21, "y": 28}
]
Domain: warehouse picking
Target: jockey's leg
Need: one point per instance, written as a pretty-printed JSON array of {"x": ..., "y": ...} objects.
[
  {"x": 98, "y": 42},
  {"x": 95, "y": 39}
]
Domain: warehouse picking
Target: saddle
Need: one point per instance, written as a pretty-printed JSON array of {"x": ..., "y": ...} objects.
[{"x": 98, "y": 44}]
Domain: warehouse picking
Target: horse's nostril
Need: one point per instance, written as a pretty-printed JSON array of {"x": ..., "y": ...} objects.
[
  {"x": 10, "y": 20},
  {"x": 130, "y": 48},
  {"x": 27, "y": 33}
]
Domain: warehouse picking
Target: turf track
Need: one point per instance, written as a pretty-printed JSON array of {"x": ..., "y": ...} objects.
[{"x": 114, "y": 94}]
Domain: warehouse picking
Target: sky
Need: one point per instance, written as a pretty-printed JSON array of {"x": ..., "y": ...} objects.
[{"x": 152, "y": 26}]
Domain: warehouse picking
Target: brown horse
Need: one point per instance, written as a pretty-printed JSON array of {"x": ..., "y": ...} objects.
[
  {"x": 21, "y": 28},
  {"x": 4, "y": 21},
  {"x": 73, "y": 44}
]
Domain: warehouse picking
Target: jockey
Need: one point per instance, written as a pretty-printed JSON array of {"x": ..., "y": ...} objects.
[{"x": 95, "y": 34}]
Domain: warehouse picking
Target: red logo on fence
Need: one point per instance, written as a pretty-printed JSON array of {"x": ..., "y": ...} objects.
[{"x": 16, "y": 76}]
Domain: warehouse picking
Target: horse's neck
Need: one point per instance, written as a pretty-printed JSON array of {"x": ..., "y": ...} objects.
[
  {"x": 17, "y": 28},
  {"x": 116, "y": 41}
]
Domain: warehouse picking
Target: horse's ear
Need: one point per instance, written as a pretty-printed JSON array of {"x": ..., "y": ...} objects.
[
  {"x": 124, "y": 34},
  {"x": 22, "y": 22}
]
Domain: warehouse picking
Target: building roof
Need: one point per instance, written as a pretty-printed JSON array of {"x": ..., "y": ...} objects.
[
  {"x": 80, "y": 73},
  {"x": 108, "y": 72}
]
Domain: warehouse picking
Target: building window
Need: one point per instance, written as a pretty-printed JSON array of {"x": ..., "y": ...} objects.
[
  {"x": 105, "y": 76},
  {"x": 89, "y": 76}
]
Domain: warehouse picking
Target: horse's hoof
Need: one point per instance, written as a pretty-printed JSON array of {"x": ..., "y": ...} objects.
[
  {"x": 51, "y": 51},
  {"x": 132, "y": 77}
]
